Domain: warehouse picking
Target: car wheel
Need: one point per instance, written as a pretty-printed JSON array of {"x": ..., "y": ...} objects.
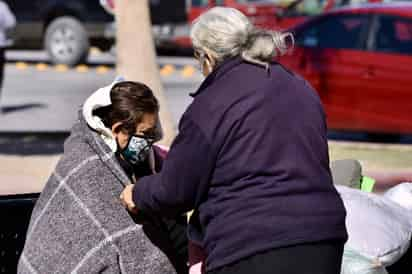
[{"x": 66, "y": 41}]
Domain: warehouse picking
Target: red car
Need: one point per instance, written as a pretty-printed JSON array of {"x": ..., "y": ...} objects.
[
  {"x": 263, "y": 13},
  {"x": 359, "y": 59},
  {"x": 268, "y": 14}
]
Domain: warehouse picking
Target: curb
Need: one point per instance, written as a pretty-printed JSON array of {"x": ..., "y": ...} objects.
[{"x": 184, "y": 71}]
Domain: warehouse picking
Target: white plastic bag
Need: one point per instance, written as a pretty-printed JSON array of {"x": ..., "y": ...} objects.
[
  {"x": 377, "y": 227},
  {"x": 401, "y": 194},
  {"x": 355, "y": 263}
]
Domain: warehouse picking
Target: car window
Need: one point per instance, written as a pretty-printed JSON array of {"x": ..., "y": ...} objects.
[
  {"x": 315, "y": 7},
  {"x": 337, "y": 32},
  {"x": 200, "y": 3},
  {"x": 394, "y": 35},
  {"x": 257, "y": 1}
]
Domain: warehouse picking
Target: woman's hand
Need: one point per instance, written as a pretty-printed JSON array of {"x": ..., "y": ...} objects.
[{"x": 127, "y": 199}]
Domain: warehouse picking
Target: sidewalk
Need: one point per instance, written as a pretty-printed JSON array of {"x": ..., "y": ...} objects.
[
  {"x": 374, "y": 156},
  {"x": 29, "y": 173},
  {"x": 25, "y": 174}
]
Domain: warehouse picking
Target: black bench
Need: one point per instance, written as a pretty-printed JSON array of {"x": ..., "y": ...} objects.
[
  {"x": 15, "y": 213},
  {"x": 404, "y": 265}
]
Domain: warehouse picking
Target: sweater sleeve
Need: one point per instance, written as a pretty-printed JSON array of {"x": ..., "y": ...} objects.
[{"x": 184, "y": 178}]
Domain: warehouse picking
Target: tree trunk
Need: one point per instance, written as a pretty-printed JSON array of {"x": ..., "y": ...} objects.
[{"x": 136, "y": 56}]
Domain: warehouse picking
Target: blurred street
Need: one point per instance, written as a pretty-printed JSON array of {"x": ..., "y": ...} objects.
[
  {"x": 292, "y": 86},
  {"x": 40, "y": 103},
  {"x": 38, "y": 97}
]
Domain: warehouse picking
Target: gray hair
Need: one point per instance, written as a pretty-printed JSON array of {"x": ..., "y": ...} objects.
[{"x": 226, "y": 32}]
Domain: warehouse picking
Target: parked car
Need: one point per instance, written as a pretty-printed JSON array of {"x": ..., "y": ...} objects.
[
  {"x": 263, "y": 13},
  {"x": 164, "y": 21},
  {"x": 66, "y": 29},
  {"x": 268, "y": 14},
  {"x": 359, "y": 59}
]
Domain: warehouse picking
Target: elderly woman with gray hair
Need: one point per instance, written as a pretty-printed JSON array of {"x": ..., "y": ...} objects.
[{"x": 251, "y": 158}]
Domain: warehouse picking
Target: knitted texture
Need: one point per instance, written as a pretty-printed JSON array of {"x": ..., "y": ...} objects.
[{"x": 79, "y": 225}]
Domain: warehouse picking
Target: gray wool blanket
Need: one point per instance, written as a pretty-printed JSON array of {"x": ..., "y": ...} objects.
[{"x": 79, "y": 225}]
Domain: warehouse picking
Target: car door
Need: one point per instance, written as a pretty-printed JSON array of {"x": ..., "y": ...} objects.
[
  {"x": 386, "y": 99},
  {"x": 261, "y": 13},
  {"x": 197, "y": 7},
  {"x": 94, "y": 11},
  {"x": 168, "y": 12},
  {"x": 29, "y": 26},
  {"x": 329, "y": 55}
]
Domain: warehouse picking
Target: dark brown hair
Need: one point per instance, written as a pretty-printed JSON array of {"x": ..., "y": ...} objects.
[{"x": 130, "y": 101}]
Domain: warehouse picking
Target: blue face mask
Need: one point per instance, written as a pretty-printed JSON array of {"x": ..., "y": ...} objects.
[{"x": 137, "y": 149}]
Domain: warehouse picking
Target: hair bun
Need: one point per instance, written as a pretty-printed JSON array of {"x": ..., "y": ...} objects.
[{"x": 263, "y": 46}]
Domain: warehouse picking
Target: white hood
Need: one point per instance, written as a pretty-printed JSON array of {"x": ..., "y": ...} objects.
[{"x": 100, "y": 98}]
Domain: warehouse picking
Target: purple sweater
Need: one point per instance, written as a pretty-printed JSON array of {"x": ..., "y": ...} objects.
[{"x": 252, "y": 157}]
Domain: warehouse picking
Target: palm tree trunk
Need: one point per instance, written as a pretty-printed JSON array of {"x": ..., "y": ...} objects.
[{"x": 136, "y": 56}]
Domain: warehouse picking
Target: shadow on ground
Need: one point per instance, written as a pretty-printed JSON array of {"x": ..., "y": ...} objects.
[
  {"x": 32, "y": 144},
  {"x": 25, "y": 144},
  {"x": 370, "y": 137},
  {"x": 23, "y": 107}
]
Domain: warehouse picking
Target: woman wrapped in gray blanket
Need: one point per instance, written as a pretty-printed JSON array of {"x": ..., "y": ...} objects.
[{"x": 78, "y": 224}]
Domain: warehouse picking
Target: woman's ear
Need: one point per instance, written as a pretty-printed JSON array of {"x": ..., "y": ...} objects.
[
  {"x": 209, "y": 63},
  {"x": 116, "y": 128},
  {"x": 120, "y": 134}
]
